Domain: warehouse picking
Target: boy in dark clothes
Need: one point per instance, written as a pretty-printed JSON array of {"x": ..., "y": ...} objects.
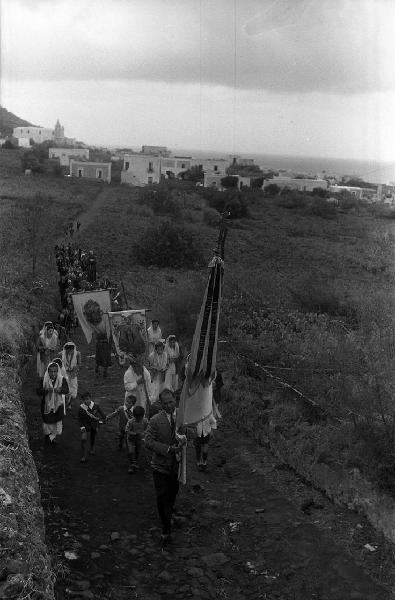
[
  {"x": 134, "y": 430},
  {"x": 90, "y": 416}
]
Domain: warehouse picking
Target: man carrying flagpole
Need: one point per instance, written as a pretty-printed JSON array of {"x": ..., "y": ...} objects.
[{"x": 161, "y": 439}]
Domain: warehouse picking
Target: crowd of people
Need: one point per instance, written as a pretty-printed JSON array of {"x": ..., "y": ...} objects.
[{"x": 152, "y": 384}]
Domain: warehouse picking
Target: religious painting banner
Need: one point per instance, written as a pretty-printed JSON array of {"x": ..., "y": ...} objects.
[
  {"x": 92, "y": 309},
  {"x": 129, "y": 331}
]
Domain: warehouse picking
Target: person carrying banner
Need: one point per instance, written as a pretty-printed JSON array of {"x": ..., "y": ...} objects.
[
  {"x": 52, "y": 391},
  {"x": 160, "y": 438},
  {"x": 137, "y": 382},
  {"x": 103, "y": 353}
]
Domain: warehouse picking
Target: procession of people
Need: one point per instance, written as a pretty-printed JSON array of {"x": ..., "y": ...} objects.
[{"x": 152, "y": 380}]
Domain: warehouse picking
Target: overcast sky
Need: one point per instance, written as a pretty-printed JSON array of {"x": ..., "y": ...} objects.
[{"x": 306, "y": 77}]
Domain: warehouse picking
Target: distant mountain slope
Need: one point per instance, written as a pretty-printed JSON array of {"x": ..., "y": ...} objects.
[{"x": 8, "y": 121}]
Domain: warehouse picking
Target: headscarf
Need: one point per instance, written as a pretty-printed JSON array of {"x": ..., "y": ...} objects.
[
  {"x": 73, "y": 363},
  {"x": 159, "y": 361},
  {"x": 172, "y": 353},
  {"x": 60, "y": 364},
  {"x": 51, "y": 342},
  {"x": 52, "y": 399}
]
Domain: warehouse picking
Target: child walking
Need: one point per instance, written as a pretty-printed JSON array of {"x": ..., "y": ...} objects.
[
  {"x": 90, "y": 416},
  {"x": 124, "y": 414},
  {"x": 135, "y": 429}
]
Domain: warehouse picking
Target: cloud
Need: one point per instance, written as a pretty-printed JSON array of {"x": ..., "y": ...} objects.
[{"x": 286, "y": 46}]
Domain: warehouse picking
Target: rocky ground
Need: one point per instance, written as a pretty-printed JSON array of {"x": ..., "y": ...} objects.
[{"x": 248, "y": 528}]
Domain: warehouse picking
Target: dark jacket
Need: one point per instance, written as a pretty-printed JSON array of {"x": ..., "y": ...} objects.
[
  {"x": 87, "y": 418},
  {"x": 158, "y": 438}
]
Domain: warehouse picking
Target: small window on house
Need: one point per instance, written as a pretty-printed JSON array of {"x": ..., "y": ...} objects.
[
  {"x": 39, "y": 133},
  {"x": 127, "y": 166},
  {"x": 183, "y": 166},
  {"x": 150, "y": 179},
  {"x": 150, "y": 167},
  {"x": 99, "y": 174},
  {"x": 28, "y": 130},
  {"x": 215, "y": 167},
  {"x": 80, "y": 172}
]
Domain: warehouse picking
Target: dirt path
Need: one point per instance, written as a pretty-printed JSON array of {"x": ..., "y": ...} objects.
[{"x": 244, "y": 533}]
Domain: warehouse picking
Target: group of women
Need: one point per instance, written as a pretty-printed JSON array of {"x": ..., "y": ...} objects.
[{"x": 57, "y": 372}]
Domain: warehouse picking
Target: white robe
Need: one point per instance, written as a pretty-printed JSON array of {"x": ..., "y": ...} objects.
[{"x": 132, "y": 388}]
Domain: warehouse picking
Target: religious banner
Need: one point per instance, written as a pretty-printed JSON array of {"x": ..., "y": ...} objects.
[
  {"x": 92, "y": 308},
  {"x": 129, "y": 332},
  {"x": 196, "y": 402}
]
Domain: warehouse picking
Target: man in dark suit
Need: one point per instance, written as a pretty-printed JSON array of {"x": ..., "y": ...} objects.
[{"x": 160, "y": 438}]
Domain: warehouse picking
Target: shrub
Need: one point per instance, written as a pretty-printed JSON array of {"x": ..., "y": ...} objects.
[
  {"x": 168, "y": 245},
  {"x": 159, "y": 198},
  {"x": 191, "y": 216},
  {"x": 211, "y": 217},
  {"x": 322, "y": 208},
  {"x": 180, "y": 307},
  {"x": 229, "y": 182},
  {"x": 272, "y": 189},
  {"x": 231, "y": 201},
  {"x": 291, "y": 199}
]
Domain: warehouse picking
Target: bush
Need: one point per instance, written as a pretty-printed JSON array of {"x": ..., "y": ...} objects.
[
  {"x": 291, "y": 199},
  {"x": 159, "y": 198},
  {"x": 231, "y": 201},
  {"x": 229, "y": 182},
  {"x": 168, "y": 245},
  {"x": 211, "y": 217},
  {"x": 8, "y": 145},
  {"x": 180, "y": 308},
  {"x": 142, "y": 211},
  {"x": 272, "y": 189},
  {"x": 322, "y": 208}
]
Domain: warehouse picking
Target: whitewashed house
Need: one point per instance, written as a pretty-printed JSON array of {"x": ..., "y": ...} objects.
[
  {"x": 65, "y": 154},
  {"x": 141, "y": 169}
]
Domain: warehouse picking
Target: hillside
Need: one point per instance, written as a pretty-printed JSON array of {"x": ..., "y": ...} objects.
[
  {"x": 8, "y": 121},
  {"x": 307, "y": 294}
]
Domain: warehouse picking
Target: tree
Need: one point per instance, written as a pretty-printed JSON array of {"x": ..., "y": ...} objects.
[
  {"x": 272, "y": 189},
  {"x": 319, "y": 192},
  {"x": 168, "y": 246},
  {"x": 8, "y": 145},
  {"x": 195, "y": 174},
  {"x": 229, "y": 182}
]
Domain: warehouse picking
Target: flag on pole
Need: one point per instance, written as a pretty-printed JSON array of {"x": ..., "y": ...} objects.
[
  {"x": 196, "y": 402},
  {"x": 91, "y": 308}
]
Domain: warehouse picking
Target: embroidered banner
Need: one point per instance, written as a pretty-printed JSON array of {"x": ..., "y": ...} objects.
[
  {"x": 129, "y": 331},
  {"x": 91, "y": 309}
]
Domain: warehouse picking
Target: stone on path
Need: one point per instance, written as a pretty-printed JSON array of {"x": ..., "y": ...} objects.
[
  {"x": 115, "y": 536},
  {"x": 215, "y": 560}
]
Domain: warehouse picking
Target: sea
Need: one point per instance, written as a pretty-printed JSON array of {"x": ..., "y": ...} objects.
[{"x": 368, "y": 170}]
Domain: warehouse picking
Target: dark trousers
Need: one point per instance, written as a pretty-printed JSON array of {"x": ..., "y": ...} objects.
[
  {"x": 135, "y": 443},
  {"x": 166, "y": 487}
]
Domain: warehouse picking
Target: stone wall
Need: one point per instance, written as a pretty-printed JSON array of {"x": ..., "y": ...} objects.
[{"x": 25, "y": 569}]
